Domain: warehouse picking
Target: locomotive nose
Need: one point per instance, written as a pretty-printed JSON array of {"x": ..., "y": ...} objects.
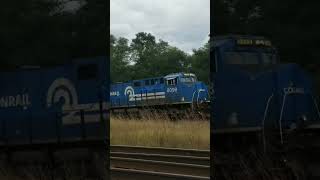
[{"x": 298, "y": 108}]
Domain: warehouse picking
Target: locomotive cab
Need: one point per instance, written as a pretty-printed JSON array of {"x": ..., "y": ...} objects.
[
  {"x": 250, "y": 54},
  {"x": 251, "y": 88},
  {"x": 241, "y": 81},
  {"x": 260, "y": 106},
  {"x": 185, "y": 88}
]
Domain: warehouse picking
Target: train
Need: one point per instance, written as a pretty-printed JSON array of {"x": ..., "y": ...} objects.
[
  {"x": 49, "y": 110},
  {"x": 261, "y": 108},
  {"x": 172, "y": 91}
]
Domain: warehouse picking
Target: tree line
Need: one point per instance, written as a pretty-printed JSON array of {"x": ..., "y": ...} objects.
[
  {"x": 145, "y": 56},
  {"x": 46, "y": 32},
  {"x": 42, "y": 32}
]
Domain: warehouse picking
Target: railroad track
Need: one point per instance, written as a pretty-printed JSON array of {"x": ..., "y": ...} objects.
[{"x": 134, "y": 162}]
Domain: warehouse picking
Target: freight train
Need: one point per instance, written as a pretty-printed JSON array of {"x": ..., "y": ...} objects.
[
  {"x": 172, "y": 92},
  {"x": 47, "y": 111},
  {"x": 261, "y": 109}
]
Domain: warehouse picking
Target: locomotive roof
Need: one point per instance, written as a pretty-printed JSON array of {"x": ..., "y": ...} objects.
[
  {"x": 31, "y": 67},
  {"x": 237, "y": 36},
  {"x": 173, "y": 75},
  {"x": 241, "y": 40}
]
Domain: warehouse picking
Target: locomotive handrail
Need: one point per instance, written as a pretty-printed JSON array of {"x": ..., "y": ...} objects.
[
  {"x": 199, "y": 90},
  {"x": 83, "y": 107},
  {"x": 281, "y": 114},
  {"x": 316, "y": 105},
  {"x": 192, "y": 100},
  {"x": 137, "y": 100},
  {"x": 264, "y": 119}
]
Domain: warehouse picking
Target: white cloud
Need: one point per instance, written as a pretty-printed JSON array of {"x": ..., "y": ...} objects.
[{"x": 183, "y": 23}]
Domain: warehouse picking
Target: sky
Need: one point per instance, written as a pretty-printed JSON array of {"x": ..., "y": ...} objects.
[{"x": 183, "y": 23}]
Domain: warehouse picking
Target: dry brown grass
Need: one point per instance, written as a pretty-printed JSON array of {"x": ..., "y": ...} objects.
[{"x": 158, "y": 130}]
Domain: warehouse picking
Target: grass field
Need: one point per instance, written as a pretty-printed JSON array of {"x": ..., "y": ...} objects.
[{"x": 158, "y": 131}]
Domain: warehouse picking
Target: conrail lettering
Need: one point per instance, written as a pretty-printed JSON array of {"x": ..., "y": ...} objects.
[
  {"x": 115, "y": 93},
  {"x": 19, "y": 100},
  {"x": 293, "y": 90}
]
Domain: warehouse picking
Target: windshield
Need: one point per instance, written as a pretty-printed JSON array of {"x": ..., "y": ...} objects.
[
  {"x": 249, "y": 58},
  {"x": 268, "y": 58},
  {"x": 188, "y": 79},
  {"x": 241, "y": 58}
]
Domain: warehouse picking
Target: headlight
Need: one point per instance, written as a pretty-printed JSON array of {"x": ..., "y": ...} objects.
[{"x": 304, "y": 118}]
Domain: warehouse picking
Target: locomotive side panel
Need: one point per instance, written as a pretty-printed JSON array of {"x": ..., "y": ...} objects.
[
  {"x": 158, "y": 91},
  {"x": 44, "y": 105}
]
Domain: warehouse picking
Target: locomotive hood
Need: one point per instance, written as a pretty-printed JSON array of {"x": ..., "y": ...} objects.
[
  {"x": 295, "y": 96},
  {"x": 293, "y": 79}
]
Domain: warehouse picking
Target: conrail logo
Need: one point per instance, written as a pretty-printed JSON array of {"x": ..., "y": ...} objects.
[
  {"x": 293, "y": 90},
  {"x": 19, "y": 100}
]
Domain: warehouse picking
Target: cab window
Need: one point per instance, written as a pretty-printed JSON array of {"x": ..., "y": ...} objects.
[
  {"x": 161, "y": 80},
  {"x": 242, "y": 58},
  {"x": 172, "y": 82},
  {"x": 147, "y": 82},
  {"x": 88, "y": 72},
  {"x": 137, "y": 83},
  {"x": 187, "y": 79}
]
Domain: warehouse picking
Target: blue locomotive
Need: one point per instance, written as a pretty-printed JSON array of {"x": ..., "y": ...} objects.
[
  {"x": 258, "y": 102},
  {"x": 49, "y": 109},
  {"x": 169, "y": 90}
]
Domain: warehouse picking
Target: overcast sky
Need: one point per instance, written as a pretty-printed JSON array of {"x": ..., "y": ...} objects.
[{"x": 183, "y": 23}]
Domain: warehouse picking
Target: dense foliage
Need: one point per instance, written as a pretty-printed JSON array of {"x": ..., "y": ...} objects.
[
  {"x": 43, "y": 32},
  {"x": 145, "y": 57},
  {"x": 46, "y": 32}
]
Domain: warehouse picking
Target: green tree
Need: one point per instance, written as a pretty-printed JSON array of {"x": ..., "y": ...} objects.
[
  {"x": 120, "y": 59},
  {"x": 200, "y": 64},
  {"x": 143, "y": 53}
]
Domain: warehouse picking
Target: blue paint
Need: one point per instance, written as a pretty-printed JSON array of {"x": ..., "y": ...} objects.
[
  {"x": 247, "y": 76},
  {"x": 177, "y": 88},
  {"x": 35, "y": 103}
]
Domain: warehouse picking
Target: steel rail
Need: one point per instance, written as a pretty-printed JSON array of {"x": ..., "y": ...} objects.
[
  {"x": 161, "y": 166},
  {"x": 137, "y": 162},
  {"x": 160, "y": 150},
  {"x": 164, "y": 157},
  {"x": 130, "y": 174}
]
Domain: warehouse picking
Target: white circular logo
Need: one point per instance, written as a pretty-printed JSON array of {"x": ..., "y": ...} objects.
[
  {"x": 62, "y": 88},
  {"x": 129, "y": 91}
]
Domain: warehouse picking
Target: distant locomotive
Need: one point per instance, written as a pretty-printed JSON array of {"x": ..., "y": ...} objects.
[
  {"x": 55, "y": 109},
  {"x": 260, "y": 104},
  {"x": 173, "y": 90}
]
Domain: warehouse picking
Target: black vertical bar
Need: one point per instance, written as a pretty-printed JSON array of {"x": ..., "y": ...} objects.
[
  {"x": 135, "y": 100},
  {"x": 102, "y": 120},
  {"x": 58, "y": 129},
  {"x": 30, "y": 129},
  {"x": 128, "y": 101},
  {"x": 83, "y": 127},
  {"x": 147, "y": 102},
  {"x": 4, "y": 131}
]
